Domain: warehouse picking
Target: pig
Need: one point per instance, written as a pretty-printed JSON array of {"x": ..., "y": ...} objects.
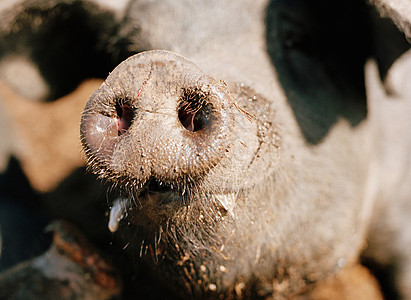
[
  {"x": 250, "y": 153},
  {"x": 256, "y": 149}
]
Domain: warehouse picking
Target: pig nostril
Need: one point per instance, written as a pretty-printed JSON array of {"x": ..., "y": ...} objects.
[
  {"x": 194, "y": 111},
  {"x": 125, "y": 116}
]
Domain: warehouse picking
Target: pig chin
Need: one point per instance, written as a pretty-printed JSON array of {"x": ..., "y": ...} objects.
[{"x": 175, "y": 220}]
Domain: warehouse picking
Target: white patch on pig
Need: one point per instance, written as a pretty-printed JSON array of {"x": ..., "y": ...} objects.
[
  {"x": 23, "y": 76},
  {"x": 117, "y": 213},
  {"x": 118, "y": 7}
]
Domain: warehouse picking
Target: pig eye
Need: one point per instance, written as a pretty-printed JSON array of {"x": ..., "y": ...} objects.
[{"x": 194, "y": 111}]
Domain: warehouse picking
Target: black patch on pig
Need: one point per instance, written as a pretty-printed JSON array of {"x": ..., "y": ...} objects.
[
  {"x": 319, "y": 49},
  {"x": 67, "y": 42}
]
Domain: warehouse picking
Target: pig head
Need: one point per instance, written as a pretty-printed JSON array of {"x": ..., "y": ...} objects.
[{"x": 245, "y": 166}]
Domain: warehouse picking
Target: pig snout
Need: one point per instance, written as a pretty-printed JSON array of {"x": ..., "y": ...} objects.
[
  {"x": 157, "y": 116},
  {"x": 167, "y": 134}
]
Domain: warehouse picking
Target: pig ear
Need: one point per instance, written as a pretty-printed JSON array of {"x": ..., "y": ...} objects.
[
  {"x": 319, "y": 49},
  {"x": 390, "y": 23},
  {"x": 399, "y": 11}
]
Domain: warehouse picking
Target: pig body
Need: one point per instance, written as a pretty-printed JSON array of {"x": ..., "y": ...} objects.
[{"x": 253, "y": 155}]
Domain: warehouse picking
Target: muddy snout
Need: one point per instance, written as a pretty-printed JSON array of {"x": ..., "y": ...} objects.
[{"x": 157, "y": 116}]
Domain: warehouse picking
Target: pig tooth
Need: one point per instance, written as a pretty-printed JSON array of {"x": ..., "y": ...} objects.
[
  {"x": 227, "y": 201},
  {"x": 117, "y": 213}
]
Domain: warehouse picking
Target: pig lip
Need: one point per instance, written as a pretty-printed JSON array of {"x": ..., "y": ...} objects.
[
  {"x": 157, "y": 203},
  {"x": 159, "y": 186},
  {"x": 159, "y": 190},
  {"x": 165, "y": 199}
]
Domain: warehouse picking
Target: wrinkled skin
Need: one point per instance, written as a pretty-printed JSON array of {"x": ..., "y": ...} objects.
[{"x": 290, "y": 163}]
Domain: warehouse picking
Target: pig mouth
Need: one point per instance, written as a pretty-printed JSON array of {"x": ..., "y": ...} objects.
[
  {"x": 163, "y": 193},
  {"x": 161, "y": 202}
]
